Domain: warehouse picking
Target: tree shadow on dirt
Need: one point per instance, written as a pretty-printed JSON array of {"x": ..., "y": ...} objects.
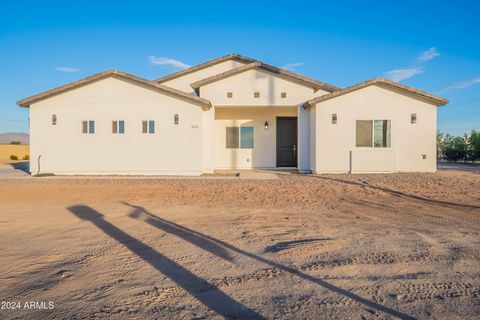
[
  {"x": 206, "y": 293},
  {"x": 150, "y": 217},
  {"x": 401, "y": 194},
  {"x": 291, "y": 244}
]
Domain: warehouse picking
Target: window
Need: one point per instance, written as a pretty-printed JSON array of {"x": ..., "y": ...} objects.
[
  {"x": 364, "y": 133},
  {"x": 118, "y": 126},
  {"x": 413, "y": 118},
  {"x": 381, "y": 134},
  {"x": 232, "y": 137},
  {"x": 229, "y": 94},
  {"x": 54, "y": 119},
  {"x": 148, "y": 126},
  {"x": 283, "y": 94},
  {"x": 88, "y": 127},
  {"x": 246, "y": 137},
  {"x": 91, "y": 126},
  {"x": 256, "y": 94},
  {"x": 239, "y": 137},
  {"x": 334, "y": 118},
  {"x": 175, "y": 119},
  {"x": 373, "y": 133}
]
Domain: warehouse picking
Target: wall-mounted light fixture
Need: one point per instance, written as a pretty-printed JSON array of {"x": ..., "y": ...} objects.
[{"x": 266, "y": 125}]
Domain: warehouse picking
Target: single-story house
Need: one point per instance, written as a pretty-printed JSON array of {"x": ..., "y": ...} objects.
[{"x": 231, "y": 112}]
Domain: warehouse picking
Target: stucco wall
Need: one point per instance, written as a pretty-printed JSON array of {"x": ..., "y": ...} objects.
[
  {"x": 335, "y": 143},
  {"x": 263, "y": 155},
  {"x": 6, "y": 150},
  {"x": 183, "y": 83},
  {"x": 64, "y": 149},
  {"x": 243, "y": 86}
]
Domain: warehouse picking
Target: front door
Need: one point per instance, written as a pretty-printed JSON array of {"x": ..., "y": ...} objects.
[{"x": 287, "y": 147}]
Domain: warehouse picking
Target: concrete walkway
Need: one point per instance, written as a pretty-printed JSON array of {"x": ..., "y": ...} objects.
[
  {"x": 459, "y": 166},
  {"x": 14, "y": 169}
]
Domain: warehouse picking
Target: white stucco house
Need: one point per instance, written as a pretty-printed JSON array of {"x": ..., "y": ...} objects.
[{"x": 231, "y": 112}]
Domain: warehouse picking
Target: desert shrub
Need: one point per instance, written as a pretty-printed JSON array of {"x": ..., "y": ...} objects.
[
  {"x": 13, "y": 157},
  {"x": 474, "y": 145},
  {"x": 15, "y": 142},
  {"x": 455, "y": 148},
  {"x": 26, "y": 157}
]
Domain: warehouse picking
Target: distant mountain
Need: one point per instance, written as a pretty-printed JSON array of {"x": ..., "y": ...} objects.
[{"x": 6, "y": 138}]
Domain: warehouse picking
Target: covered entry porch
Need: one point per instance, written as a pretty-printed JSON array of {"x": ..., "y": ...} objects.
[{"x": 256, "y": 137}]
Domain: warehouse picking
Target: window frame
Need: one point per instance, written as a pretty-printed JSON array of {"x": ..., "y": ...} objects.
[
  {"x": 88, "y": 126},
  {"x": 151, "y": 126},
  {"x": 239, "y": 142},
  {"x": 236, "y": 144},
  {"x": 373, "y": 134},
  {"x": 242, "y": 145}
]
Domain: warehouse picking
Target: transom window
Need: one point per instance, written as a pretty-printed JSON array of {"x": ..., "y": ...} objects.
[
  {"x": 148, "y": 126},
  {"x": 118, "y": 126},
  {"x": 88, "y": 126},
  {"x": 239, "y": 137},
  {"x": 373, "y": 133}
]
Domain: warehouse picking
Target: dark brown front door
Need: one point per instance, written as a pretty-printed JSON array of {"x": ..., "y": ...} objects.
[{"x": 287, "y": 148}]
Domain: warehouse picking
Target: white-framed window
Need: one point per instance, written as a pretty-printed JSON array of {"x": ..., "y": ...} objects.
[
  {"x": 54, "y": 119},
  {"x": 229, "y": 94},
  {"x": 240, "y": 137},
  {"x": 118, "y": 126},
  {"x": 148, "y": 126},
  {"x": 413, "y": 118},
  {"x": 283, "y": 95},
  {"x": 373, "y": 133},
  {"x": 88, "y": 126},
  {"x": 334, "y": 118},
  {"x": 176, "y": 119},
  {"x": 256, "y": 94}
]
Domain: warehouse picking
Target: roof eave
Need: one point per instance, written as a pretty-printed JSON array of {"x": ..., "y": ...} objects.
[
  {"x": 205, "y": 104},
  {"x": 421, "y": 95},
  {"x": 311, "y": 83}
]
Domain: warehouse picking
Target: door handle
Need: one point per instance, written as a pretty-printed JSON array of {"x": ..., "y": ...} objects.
[{"x": 294, "y": 150}]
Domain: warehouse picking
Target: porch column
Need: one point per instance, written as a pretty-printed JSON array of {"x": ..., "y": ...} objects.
[{"x": 303, "y": 140}]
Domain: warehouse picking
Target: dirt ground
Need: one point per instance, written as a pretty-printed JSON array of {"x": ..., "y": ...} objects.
[{"x": 300, "y": 247}]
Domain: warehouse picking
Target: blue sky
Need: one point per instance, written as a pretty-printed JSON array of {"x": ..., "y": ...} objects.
[{"x": 430, "y": 45}]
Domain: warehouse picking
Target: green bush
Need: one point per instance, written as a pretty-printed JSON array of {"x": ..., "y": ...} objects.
[
  {"x": 13, "y": 157},
  {"x": 26, "y": 157},
  {"x": 474, "y": 145},
  {"x": 455, "y": 148},
  {"x": 15, "y": 142}
]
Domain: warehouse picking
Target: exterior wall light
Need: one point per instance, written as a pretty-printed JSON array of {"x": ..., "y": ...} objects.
[{"x": 266, "y": 125}]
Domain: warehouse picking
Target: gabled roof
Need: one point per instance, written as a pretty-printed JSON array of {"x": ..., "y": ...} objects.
[
  {"x": 205, "y": 104},
  {"x": 292, "y": 76},
  {"x": 388, "y": 84},
  {"x": 233, "y": 56}
]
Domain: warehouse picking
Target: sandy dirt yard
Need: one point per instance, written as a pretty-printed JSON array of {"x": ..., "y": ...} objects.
[{"x": 300, "y": 247}]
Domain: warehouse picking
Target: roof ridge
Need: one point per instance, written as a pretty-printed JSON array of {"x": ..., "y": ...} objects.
[
  {"x": 259, "y": 64},
  {"x": 206, "y": 64},
  {"x": 110, "y": 73},
  {"x": 436, "y": 100}
]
